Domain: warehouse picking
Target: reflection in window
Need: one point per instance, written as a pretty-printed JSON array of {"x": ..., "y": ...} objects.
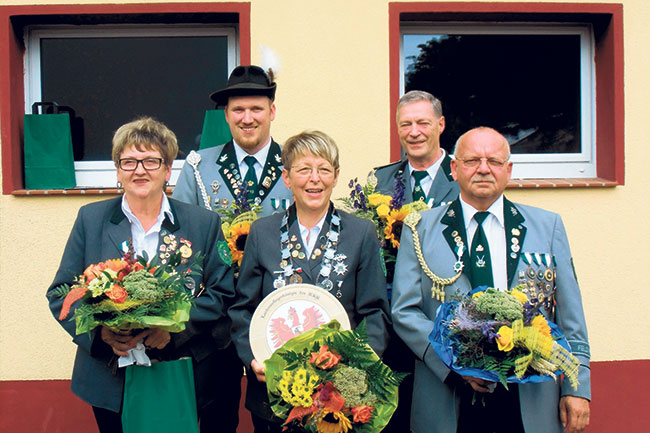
[
  {"x": 108, "y": 76},
  {"x": 532, "y": 86}
]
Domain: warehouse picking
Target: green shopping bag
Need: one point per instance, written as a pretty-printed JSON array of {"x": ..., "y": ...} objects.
[
  {"x": 160, "y": 398},
  {"x": 215, "y": 129},
  {"x": 49, "y": 161}
]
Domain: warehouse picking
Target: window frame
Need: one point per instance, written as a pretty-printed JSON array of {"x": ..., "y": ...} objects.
[
  {"x": 528, "y": 165},
  {"x": 607, "y": 23},
  {"x": 101, "y": 174},
  {"x": 14, "y": 19}
]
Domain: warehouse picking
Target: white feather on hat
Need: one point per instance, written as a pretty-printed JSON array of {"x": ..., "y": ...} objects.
[{"x": 270, "y": 62}]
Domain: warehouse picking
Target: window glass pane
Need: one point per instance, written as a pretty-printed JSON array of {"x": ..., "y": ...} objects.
[
  {"x": 526, "y": 86},
  {"x": 108, "y": 81}
]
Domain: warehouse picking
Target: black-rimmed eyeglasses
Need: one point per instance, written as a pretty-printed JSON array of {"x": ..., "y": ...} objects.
[{"x": 131, "y": 164}]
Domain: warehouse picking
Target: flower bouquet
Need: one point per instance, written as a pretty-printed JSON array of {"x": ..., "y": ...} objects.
[
  {"x": 387, "y": 212},
  {"x": 501, "y": 337},
  {"x": 236, "y": 221},
  {"x": 330, "y": 381},
  {"x": 129, "y": 293}
]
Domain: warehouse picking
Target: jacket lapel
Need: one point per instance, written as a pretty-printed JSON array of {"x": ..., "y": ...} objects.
[
  {"x": 455, "y": 234},
  {"x": 271, "y": 172},
  {"x": 441, "y": 185},
  {"x": 118, "y": 229},
  {"x": 515, "y": 235},
  {"x": 229, "y": 169},
  {"x": 304, "y": 264}
]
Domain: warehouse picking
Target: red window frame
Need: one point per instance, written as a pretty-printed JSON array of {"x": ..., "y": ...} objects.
[
  {"x": 607, "y": 21},
  {"x": 12, "y": 51}
]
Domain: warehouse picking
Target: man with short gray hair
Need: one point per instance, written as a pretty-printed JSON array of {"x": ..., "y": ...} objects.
[{"x": 425, "y": 172}]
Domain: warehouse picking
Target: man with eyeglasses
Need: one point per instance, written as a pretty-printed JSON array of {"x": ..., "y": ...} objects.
[
  {"x": 425, "y": 172},
  {"x": 250, "y": 165},
  {"x": 483, "y": 239}
]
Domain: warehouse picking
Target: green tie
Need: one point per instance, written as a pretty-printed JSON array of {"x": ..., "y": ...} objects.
[
  {"x": 250, "y": 180},
  {"x": 418, "y": 193},
  {"x": 480, "y": 255}
]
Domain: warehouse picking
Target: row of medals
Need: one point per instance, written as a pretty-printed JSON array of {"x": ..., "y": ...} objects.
[
  {"x": 540, "y": 284},
  {"x": 233, "y": 176}
]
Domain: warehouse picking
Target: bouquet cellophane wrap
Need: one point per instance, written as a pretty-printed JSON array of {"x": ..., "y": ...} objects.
[{"x": 442, "y": 342}]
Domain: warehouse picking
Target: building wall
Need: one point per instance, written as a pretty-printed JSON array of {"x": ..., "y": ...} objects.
[{"x": 335, "y": 77}]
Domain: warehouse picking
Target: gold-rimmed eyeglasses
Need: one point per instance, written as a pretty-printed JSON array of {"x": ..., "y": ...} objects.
[
  {"x": 475, "y": 162},
  {"x": 306, "y": 171}
]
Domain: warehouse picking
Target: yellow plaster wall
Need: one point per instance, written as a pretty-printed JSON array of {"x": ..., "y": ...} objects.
[{"x": 335, "y": 77}]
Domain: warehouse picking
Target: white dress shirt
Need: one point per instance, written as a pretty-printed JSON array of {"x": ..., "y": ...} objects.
[
  {"x": 432, "y": 170},
  {"x": 260, "y": 159},
  {"x": 146, "y": 241},
  {"x": 495, "y": 231},
  {"x": 310, "y": 236}
]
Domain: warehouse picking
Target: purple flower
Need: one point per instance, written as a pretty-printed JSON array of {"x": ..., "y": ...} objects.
[{"x": 398, "y": 193}]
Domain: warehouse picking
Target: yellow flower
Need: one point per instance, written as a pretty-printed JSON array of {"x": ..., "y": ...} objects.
[
  {"x": 301, "y": 375},
  {"x": 333, "y": 422},
  {"x": 237, "y": 240},
  {"x": 377, "y": 199},
  {"x": 541, "y": 324},
  {"x": 477, "y": 295},
  {"x": 505, "y": 340},
  {"x": 383, "y": 210},
  {"x": 395, "y": 221},
  {"x": 521, "y": 296}
]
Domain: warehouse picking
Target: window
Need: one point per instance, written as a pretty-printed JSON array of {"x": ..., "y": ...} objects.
[
  {"x": 111, "y": 74},
  {"x": 532, "y": 83},
  {"x": 548, "y": 76},
  {"x": 219, "y": 31}
]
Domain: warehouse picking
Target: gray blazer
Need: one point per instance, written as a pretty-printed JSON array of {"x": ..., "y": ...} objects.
[
  {"x": 443, "y": 189},
  {"x": 219, "y": 173},
  {"x": 97, "y": 235},
  {"x": 414, "y": 311},
  {"x": 363, "y": 288}
]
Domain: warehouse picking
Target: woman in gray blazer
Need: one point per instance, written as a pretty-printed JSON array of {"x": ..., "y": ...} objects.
[
  {"x": 314, "y": 243},
  {"x": 145, "y": 219}
]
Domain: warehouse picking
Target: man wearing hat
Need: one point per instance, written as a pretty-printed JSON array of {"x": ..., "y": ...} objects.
[
  {"x": 250, "y": 163},
  {"x": 250, "y": 166}
]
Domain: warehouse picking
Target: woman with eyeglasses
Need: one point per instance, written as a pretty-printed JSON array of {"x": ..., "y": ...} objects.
[
  {"x": 145, "y": 220},
  {"x": 312, "y": 242}
]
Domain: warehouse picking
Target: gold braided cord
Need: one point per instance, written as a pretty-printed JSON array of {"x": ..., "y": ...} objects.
[
  {"x": 439, "y": 283},
  {"x": 546, "y": 356}
]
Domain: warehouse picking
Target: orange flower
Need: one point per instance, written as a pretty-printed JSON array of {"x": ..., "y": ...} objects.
[
  {"x": 324, "y": 359},
  {"x": 116, "y": 294},
  {"x": 94, "y": 271},
  {"x": 362, "y": 413},
  {"x": 73, "y": 295},
  {"x": 116, "y": 264}
]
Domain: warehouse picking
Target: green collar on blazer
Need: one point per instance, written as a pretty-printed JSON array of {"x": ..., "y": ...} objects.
[
  {"x": 229, "y": 170},
  {"x": 515, "y": 232}
]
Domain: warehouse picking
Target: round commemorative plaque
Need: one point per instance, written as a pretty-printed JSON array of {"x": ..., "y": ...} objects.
[{"x": 290, "y": 311}]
